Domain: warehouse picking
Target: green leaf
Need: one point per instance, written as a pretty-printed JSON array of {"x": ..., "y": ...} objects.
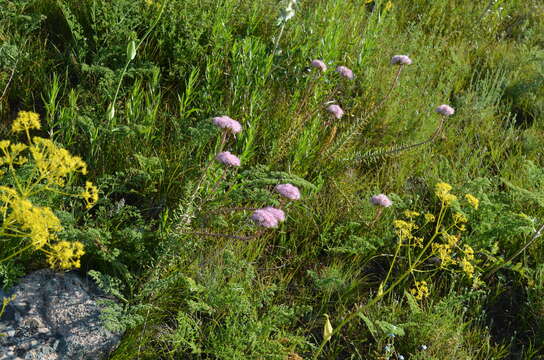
[
  {"x": 369, "y": 325},
  {"x": 388, "y": 328}
]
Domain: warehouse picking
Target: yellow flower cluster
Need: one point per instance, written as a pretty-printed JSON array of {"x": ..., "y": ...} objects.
[
  {"x": 39, "y": 222},
  {"x": 411, "y": 214},
  {"x": 55, "y": 163},
  {"x": 21, "y": 218},
  {"x": 404, "y": 228},
  {"x": 420, "y": 291},
  {"x": 65, "y": 255},
  {"x": 442, "y": 190},
  {"x": 26, "y": 120},
  {"x": 429, "y": 217},
  {"x": 90, "y": 195},
  {"x": 472, "y": 201},
  {"x": 444, "y": 250}
]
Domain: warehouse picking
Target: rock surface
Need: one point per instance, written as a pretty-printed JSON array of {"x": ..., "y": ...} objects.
[{"x": 54, "y": 317}]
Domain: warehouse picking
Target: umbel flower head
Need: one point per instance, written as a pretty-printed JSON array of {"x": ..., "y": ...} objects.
[
  {"x": 228, "y": 124},
  {"x": 345, "y": 72},
  {"x": 401, "y": 60},
  {"x": 381, "y": 200},
  {"x": 228, "y": 159},
  {"x": 65, "y": 255},
  {"x": 25, "y": 121},
  {"x": 335, "y": 111},
  {"x": 318, "y": 64},
  {"x": 268, "y": 217},
  {"x": 445, "y": 110},
  {"x": 288, "y": 191}
]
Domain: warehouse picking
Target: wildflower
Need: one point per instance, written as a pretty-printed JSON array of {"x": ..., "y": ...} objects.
[
  {"x": 474, "y": 202},
  {"x": 451, "y": 240},
  {"x": 442, "y": 191},
  {"x": 469, "y": 252},
  {"x": 345, "y": 72},
  {"x": 25, "y": 121},
  {"x": 40, "y": 222},
  {"x": 429, "y": 217},
  {"x": 445, "y": 110},
  {"x": 404, "y": 229},
  {"x": 318, "y": 64},
  {"x": 227, "y": 158},
  {"x": 459, "y": 218},
  {"x": 443, "y": 251},
  {"x": 336, "y": 111},
  {"x": 277, "y": 213},
  {"x": 90, "y": 195},
  {"x": 288, "y": 12},
  {"x": 421, "y": 290},
  {"x": 288, "y": 191},
  {"x": 264, "y": 218},
  {"x": 225, "y": 122},
  {"x": 401, "y": 60},
  {"x": 381, "y": 200},
  {"x": 65, "y": 255},
  {"x": 423, "y": 347},
  {"x": 401, "y": 357},
  {"x": 411, "y": 214},
  {"x": 327, "y": 329}
]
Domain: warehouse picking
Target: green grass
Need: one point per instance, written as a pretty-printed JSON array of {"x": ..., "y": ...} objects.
[{"x": 189, "y": 296}]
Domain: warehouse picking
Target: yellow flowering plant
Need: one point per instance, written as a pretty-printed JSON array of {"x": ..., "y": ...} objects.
[
  {"x": 425, "y": 240},
  {"x": 47, "y": 168}
]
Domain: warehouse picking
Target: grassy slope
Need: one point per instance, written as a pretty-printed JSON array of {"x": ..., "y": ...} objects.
[{"x": 206, "y": 297}]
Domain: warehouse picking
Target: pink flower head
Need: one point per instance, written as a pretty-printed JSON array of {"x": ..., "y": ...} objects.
[
  {"x": 225, "y": 122},
  {"x": 277, "y": 213},
  {"x": 401, "y": 60},
  {"x": 264, "y": 218},
  {"x": 227, "y": 158},
  {"x": 336, "y": 111},
  {"x": 445, "y": 110},
  {"x": 381, "y": 200},
  {"x": 319, "y": 65},
  {"x": 288, "y": 191},
  {"x": 345, "y": 72}
]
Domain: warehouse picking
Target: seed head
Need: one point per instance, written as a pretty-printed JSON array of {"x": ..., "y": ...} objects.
[
  {"x": 345, "y": 72},
  {"x": 381, "y": 200},
  {"x": 227, "y": 158},
  {"x": 401, "y": 60},
  {"x": 336, "y": 111},
  {"x": 225, "y": 122},
  {"x": 288, "y": 191},
  {"x": 445, "y": 110},
  {"x": 318, "y": 64}
]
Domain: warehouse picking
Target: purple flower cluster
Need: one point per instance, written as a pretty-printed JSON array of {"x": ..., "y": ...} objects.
[
  {"x": 227, "y": 158},
  {"x": 345, "y": 72},
  {"x": 319, "y": 64},
  {"x": 335, "y": 111},
  {"x": 228, "y": 124},
  {"x": 445, "y": 110},
  {"x": 401, "y": 60},
  {"x": 381, "y": 200},
  {"x": 268, "y": 217},
  {"x": 288, "y": 191}
]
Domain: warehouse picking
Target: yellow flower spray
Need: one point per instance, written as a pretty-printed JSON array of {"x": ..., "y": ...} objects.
[
  {"x": 51, "y": 166},
  {"x": 443, "y": 245}
]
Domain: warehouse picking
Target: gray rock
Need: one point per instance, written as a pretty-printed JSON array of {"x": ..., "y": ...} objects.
[{"x": 55, "y": 316}]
